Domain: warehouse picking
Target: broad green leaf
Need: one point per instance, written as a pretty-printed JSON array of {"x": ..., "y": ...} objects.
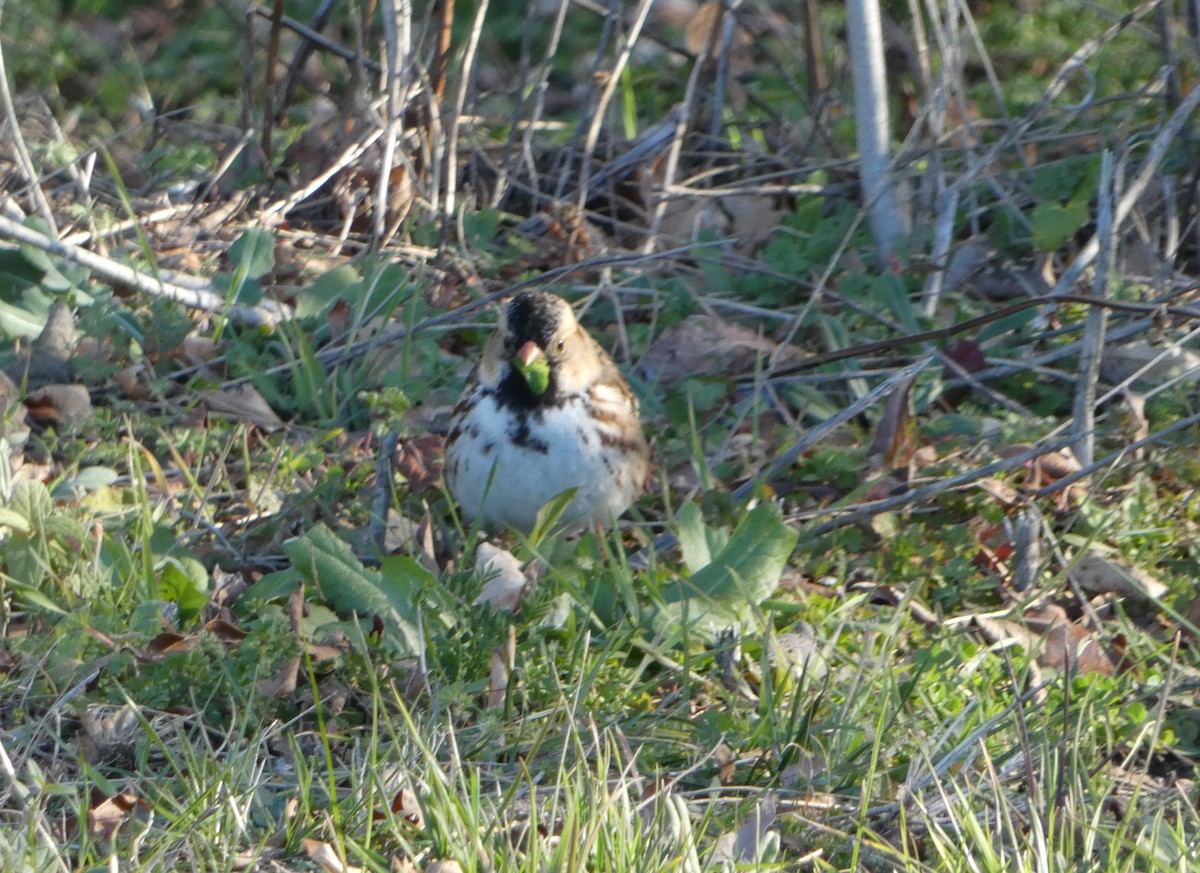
[
  {"x": 16, "y": 274},
  {"x": 744, "y": 574},
  {"x": 333, "y": 285},
  {"x": 185, "y": 583},
  {"x": 253, "y": 253},
  {"x": 1054, "y": 223},
  {"x": 692, "y": 541},
  {"x": 11, "y": 518},
  {"x": 330, "y": 567},
  {"x": 87, "y": 479}
]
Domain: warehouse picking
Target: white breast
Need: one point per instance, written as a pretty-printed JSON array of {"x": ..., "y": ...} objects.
[{"x": 504, "y": 483}]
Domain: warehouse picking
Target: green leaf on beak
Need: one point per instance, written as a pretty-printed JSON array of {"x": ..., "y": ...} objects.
[{"x": 536, "y": 373}]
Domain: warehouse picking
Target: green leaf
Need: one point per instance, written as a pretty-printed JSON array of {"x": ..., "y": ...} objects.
[
  {"x": 331, "y": 286},
  {"x": 185, "y": 583},
  {"x": 1054, "y": 223},
  {"x": 744, "y": 574},
  {"x": 536, "y": 374},
  {"x": 253, "y": 253},
  {"x": 85, "y": 480},
  {"x": 329, "y": 566},
  {"x": 692, "y": 541}
]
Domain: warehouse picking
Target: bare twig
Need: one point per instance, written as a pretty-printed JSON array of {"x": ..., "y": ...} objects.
[
  {"x": 32, "y": 178},
  {"x": 266, "y": 313},
  {"x": 397, "y": 29},
  {"x": 317, "y": 39},
  {"x": 1154, "y": 157},
  {"x": 268, "y": 107},
  {"x": 453, "y": 128},
  {"x": 1084, "y": 419}
]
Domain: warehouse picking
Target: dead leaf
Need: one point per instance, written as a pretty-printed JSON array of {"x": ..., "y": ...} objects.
[
  {"x": 498, "y": 681},
  {"x": 1100, "y": 575},
  {"x": 59, "y": 405},
  {"x": 505, "y": 584},
  {"x": 406, "y": 805},
  {"x": 134, "y": 381},
  {"x": 245, "y": 403},
  {"x": 753, "y": 842},
  {"x": 225, "y": 631},
  {"x": 106, "y": 817},
  {"x": 420, "y": 461},
  {"x": 195, "y": 350},
  {"x": 726, "y": 764},
  {"x": 323, "y": 854},
  {"x": 705, "y": 344},
  {"x": 1154, "y": 365},
  {"x": 895, "y": 439},
  {"x": 48, "y": 359},
  {"x": 443, "y": 867},
  {"x": 1056, "y": 642},
  {"x": 330, "y": 649},
  {"x": 169, "y": 641},
  {"x": 284, "y": 685}
]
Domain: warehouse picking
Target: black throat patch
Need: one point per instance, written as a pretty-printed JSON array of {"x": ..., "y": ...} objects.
[{"x": 531, "y": 316}]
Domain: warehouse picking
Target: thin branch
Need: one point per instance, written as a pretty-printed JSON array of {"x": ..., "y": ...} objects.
[{"x": 266, "y": 313}]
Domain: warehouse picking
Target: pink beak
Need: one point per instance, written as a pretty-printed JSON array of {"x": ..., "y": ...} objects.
[{"x": 529, "y": 353}]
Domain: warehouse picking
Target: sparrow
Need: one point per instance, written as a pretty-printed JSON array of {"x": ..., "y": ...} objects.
[{"x": 544, "y": 411}]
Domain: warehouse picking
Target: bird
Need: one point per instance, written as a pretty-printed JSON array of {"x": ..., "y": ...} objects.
[{"x": 545, "y": 410}]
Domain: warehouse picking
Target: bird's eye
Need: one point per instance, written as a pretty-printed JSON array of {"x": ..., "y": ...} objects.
[{"x": 560, "y": 345}]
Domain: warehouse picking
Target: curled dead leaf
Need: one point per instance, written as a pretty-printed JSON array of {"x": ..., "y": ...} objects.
[
  {"x": 506, "y": 583},
  {"x": 323, "y": 854},
  {"x": 105, "y": 817},
  {"x": 1101, "y": 575},
  {"x": 59, "y": 405}
]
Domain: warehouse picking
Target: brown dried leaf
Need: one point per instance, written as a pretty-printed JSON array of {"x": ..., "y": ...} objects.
[
  {"x": 1057, "y": 642},
  {"x": 895, "y": 440},
  {"x": 134, "y": 381},
  {"x": 323, "y": 854},
  {"x": 705, "y": 344},
  {"x": 225, "y": 631},
  {"x": 498, "y": 680},
  {"x": 1100, "y": 575},
  {"x": 106, "y": 817},
  {"x": 406, "y": 805},
  {"x": 285, "y": 684},
  {"x": 59, "y": 405},
  {"x": 245, "y": 403},
  {"x": 196, "y": 350},
  {"x": 169, "y": 641},
  {"x": 420, "y": 461}
]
